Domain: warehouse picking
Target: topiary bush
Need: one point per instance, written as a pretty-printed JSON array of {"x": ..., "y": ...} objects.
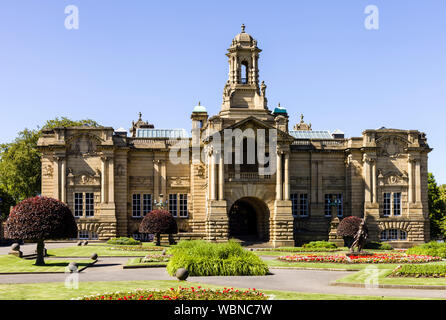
[
  {"x": 124, "y": 241},
  {"x": 159, "y": 222},
  {"x": 202, "y": 258},
  {"x": 320, "y": 244},
  {"x": 39, "y": 219},
  {"x": 378, "y": 246},
  {"x": 349, "y": 226},
  {"x": 433, "y": 248}
]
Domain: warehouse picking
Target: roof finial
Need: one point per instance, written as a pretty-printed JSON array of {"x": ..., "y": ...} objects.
[
  {"x": 301, "y": 117},
  {"x": 243, "y": 28},
  {"x": 140, "y": 116},
  {"x": 199, "y": 103}
]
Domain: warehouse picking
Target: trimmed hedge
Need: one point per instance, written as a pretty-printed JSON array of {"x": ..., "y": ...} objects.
[
  {"x": 378, "y": 246},
  {"x": 320, "y": 244},
  {"x": 433, "y": 248},
  {"x": 202, "y": 258},
  {"x": 431, "y": 271},
  {"x": 124, "y": 241}
]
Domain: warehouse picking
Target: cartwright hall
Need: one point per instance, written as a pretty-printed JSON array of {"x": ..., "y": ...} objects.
[{"x": 112, "y": 178}]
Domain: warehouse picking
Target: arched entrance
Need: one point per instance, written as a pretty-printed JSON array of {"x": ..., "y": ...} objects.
[{"x": 249, "y": 220}]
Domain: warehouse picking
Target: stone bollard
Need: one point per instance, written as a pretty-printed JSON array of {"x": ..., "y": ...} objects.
[
  {"x": 94, "y": 256},
  {"x": 79, "y": 243},
  {"x": 15, "y": 250},
  {"x": 72, "y": 266},
  {"x": 85, "y": 242},
  {"x": 182, "y": 274}
]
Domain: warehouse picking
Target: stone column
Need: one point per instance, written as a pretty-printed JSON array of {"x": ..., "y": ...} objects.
[
  {"x": 221, "y": 178},
  {"x": 111, "y": 180},
  {"x": 410, "y": 187},
  {"x": 286, "y": 191},
  {"x": 375, "y": 199},
  {"x": 63, "y": 179},
  {"x": 156, "y": 180},
  {"x": 279, "y": 176},
  {"x": 212, "y": 176},
  {"x": 366, "y": 175},
  {"x": 418, "y": 180},
  {"x": 56, "y": 190},
  {"x": 163, "y": 179},
  {"x": 103, "y": 180}
]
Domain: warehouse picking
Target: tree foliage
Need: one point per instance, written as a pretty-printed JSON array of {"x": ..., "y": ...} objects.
[
  {"x": 39, "y": 219},
  {"x": 159, "y": 222},
  {"x": 437, "y": 208},
  {"x": 20, "y": 163},
  {"x": 349, "y": 226}
]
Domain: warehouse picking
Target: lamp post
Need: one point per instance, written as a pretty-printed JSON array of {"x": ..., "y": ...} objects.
[
  {"x": 334, "y": 203},
  {"x": 160, "y": 205}
]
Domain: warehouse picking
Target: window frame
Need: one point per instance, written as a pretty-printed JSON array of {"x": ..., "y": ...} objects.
[
  {"x": 89, "y": 204},
  {"x": 77, "y": 205},
  {"x": 136, "y": 205},
  {"x": 147, "y": 204}
]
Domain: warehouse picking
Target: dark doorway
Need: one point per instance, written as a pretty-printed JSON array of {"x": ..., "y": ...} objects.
[{"x": 242, "y": 220}]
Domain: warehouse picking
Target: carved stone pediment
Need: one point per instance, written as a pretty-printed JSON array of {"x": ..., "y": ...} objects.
[
  {"x": 139, "y": 181},
  {"x": 83, "y": 144},
  {"x": 179, "y": 181},
  {"x": 392, "y": 178},
  {"x": 83, "y": 179},
  {"x": 392, "y": 146}
]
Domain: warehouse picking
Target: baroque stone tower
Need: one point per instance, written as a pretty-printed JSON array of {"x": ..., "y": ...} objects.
[{"x": 242, "y": 94}]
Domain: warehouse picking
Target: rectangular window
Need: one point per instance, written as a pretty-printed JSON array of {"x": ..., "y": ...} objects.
[
  {"x": 136, "y": 206},
  {"x": 393, "y": 234},
  {"x": 303, "y": 205},
  {"x": 78, "y": 204},
  {"x": 397, "y": 204},
  {"x": 403, "y": 235},
  {"x": 327, "y": 209},
  {"x": 146, "y": 203},
  {"x": 183, "y": 206},
  {"x": 173, "y": 208},
  {"x": 384, "y": 235},
  {"x": 340, "y": 205},
  {"x": 294, "y": 204},
  {"x": 89, "y": 204},
  {"x": 83, "y": 234},
  {"x": 386, "y": 207}
]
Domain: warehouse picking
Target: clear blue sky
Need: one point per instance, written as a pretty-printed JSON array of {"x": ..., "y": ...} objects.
[{"x": 162, "y": 57}]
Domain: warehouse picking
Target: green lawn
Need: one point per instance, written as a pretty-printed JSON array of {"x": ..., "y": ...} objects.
[
  {"x": 361, "y": 276},
  {"x": 57, "y": 291},
  {"x": 101, "y": 250},
  {"x": 12, "y": 264}
]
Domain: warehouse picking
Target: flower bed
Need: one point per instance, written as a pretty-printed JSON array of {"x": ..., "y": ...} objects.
[
  {"x": 156, "y": 258},
  {"x": 299, "y": 249},
  {"x": 375, "y": 258},
  {"x": 137, "y": 248},
  {"x": 417, "y": 271},
  {"x": 181, "y": 293}
]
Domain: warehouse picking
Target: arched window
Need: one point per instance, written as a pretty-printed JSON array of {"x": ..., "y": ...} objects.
[
  {"x": 393, "y": 235},
  {"x": 244, "y": 72}
]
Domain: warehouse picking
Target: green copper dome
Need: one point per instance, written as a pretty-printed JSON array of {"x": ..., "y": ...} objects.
[
  {"x": 279, "y": 110},
  {"x": 199, "y": 108}
]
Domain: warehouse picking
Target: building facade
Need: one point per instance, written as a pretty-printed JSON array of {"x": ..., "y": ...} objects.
[{"x": 111, "y": 179}]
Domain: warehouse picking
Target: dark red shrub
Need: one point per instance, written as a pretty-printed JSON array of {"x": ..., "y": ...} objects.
[
  {"x": 349, "y": 226},
  {"x": 39, "y": 219},
  {"x": 158, "y": 222}
]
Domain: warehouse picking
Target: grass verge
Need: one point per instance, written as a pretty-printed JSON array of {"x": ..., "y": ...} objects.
[{"x": 12, "y": 264}]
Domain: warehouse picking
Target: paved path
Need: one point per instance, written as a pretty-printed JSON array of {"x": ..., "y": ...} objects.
[{"x": 308, "y": 281}]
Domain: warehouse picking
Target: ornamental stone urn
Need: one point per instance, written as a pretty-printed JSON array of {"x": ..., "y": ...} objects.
[
  {"x": 182, "y": 274},
  {"x": 15, "y": 250},
  {"x": 72, "y": 266}
]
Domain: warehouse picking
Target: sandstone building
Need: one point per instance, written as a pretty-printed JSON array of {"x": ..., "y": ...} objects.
[{"x": 111, "y": 179}]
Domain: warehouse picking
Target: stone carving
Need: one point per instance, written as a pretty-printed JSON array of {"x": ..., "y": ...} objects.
[
  {"x": 179, "y": 181},
  {"x": 392, "y": 178},
  {"x": 84, "y": 179},
  {"x": 120, "y": 170},
  {"x": 48, "y": 171},
  {"x": 137, "y": 181},
  {"x": 201, "y": 171},
  {"x": 391, "y": 146},
  {"x": 263, "y": 88},
  {"x": 360, "y": 238},
  {"x": 83, "y": 145}
]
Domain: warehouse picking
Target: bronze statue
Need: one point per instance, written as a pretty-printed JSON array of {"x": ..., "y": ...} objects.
[{"x": 360, "y": 238}]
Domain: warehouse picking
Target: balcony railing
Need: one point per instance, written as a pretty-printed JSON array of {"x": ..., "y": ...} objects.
[{"x": 247, "y": 176}]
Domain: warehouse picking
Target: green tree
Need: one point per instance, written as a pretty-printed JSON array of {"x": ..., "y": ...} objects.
[
  {"x": 437, "y": 208},
  {"x": 20, "y": 164}
]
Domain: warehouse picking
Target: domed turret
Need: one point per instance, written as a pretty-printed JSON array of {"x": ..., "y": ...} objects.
[
  {"x": 244, "y": 39},
  {"x": 199, "y": 108}
]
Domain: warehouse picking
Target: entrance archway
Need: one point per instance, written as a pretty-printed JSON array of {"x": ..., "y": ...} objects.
[{"x": 249, "y": 220}]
